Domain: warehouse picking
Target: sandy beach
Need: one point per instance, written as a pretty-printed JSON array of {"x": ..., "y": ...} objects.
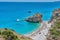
[{"x": 41, "y": 32}]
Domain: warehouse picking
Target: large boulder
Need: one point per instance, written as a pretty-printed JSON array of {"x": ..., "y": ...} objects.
[{"x": 35, "y": 18}]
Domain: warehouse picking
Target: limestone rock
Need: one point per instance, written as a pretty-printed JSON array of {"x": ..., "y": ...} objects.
[{"x": 35, "y": 18}]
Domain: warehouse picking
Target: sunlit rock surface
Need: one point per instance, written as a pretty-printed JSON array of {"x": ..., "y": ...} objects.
[
  {"x": 36, "y": 18},
  {"x": 54, "y": 32}
]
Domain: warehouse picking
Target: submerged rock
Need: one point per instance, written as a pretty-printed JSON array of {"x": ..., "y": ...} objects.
[
  {"x": 35, "y": 18},
  {"x": 29, "y": 11}
]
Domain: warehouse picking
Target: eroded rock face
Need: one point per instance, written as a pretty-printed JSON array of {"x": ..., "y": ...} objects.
[
  {"x": 56, "y": 14},
  {"x": 55, "y": 28},
  {"x": 35, "y": 18}
]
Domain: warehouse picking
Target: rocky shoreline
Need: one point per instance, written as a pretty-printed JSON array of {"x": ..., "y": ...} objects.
[{"x": 54, "y": 32}]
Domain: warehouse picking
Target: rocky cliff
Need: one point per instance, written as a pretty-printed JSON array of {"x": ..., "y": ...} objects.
[
  {"x": 54, "y": 33},
  {"x": 56, "y": 14}
]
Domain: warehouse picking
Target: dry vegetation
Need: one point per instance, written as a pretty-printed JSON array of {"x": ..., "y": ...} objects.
[{"x": 6, "y": 34}]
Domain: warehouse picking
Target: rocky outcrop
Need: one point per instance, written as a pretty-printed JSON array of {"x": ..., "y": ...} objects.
[
  {"x": 56, "y": 14},
  {"x": 54, "y": 32},
  {"x": 35, "y": 18}
]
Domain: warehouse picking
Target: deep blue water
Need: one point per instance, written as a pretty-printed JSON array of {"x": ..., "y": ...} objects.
[{"x": 10, "y": 11}]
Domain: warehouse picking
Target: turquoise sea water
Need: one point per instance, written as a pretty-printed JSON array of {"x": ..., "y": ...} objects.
[{"x": 11, "y": 11}]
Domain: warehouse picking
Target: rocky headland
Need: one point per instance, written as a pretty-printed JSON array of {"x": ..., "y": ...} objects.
[
  {"x": 54, "y": 32},
  {"x": 56, "y": 14}
]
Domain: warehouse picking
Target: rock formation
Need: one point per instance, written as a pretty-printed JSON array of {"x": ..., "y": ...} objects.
[
  {"x": 35, "y": 18},
  {"x": 54, "y": 32},
  {"x": 56, "y": 13}
]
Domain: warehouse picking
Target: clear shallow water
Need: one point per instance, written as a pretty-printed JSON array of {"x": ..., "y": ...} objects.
[{"x": 11, "y": 11}]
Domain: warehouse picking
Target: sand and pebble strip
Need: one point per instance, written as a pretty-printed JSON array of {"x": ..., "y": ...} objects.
[{"x": 41, "y": 32}]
